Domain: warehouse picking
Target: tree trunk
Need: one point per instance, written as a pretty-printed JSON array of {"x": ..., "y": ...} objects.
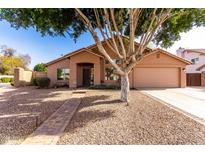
[{"x": 125, "y": 87}]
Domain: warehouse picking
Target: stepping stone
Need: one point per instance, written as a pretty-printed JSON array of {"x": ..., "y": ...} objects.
[{"x": 50, "y": 131}]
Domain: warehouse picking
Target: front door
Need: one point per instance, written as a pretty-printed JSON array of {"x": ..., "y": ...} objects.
[{"x": 86, "y": 77}]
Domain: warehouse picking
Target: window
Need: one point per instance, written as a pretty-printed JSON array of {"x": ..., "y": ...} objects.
[
  {"x": 110, "y": 75},
  {"x": 195, "y": 60},
  {"x": 63, "y": 74}
]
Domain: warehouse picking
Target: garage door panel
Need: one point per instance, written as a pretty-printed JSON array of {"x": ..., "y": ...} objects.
[{"x": 156, "y": 77}]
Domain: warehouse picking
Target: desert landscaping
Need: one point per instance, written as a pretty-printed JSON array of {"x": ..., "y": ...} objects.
[{"x": 22, "y": 110}]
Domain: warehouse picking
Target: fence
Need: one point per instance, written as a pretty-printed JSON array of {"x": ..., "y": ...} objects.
[
  {"x": 24, "y": 78},
  {"x": 39, "y": 74}
]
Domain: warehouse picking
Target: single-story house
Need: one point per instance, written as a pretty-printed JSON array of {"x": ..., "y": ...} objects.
[{"x": 87, "y": 66}]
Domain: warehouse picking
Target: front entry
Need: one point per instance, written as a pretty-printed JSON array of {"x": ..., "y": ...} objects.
[
  {"x": 86, "y": 77},
  {"x": 85, "y": 74}
]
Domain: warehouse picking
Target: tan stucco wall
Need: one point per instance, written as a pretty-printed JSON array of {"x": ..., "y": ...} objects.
[
  {"x": 155, "y": 60},
  {"x": 84, "y": 57},
  {"x": 52, "y": 70}
]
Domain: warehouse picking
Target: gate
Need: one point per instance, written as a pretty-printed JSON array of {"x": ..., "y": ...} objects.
[{"x": 193, "y": 79}]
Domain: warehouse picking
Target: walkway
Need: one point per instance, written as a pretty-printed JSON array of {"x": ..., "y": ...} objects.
[{"x": 50, "y": 131}]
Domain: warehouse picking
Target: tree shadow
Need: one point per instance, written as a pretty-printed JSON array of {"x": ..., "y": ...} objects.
[
  {"x": 23, "y": 110},
  {"x": 81, "y": 119},
  {"x": 98, "y": 100},
  {"x": 84, "y": 116}
]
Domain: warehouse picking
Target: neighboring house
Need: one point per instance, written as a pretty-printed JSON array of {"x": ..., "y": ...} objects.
[
  {"x": 196, "y": 56},
  {"x": 87, "y": 66}
]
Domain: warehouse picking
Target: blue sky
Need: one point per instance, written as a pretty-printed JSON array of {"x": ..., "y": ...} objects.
[
  {"x": 44, "y": 49},
  {"x": 41, "y": 49}
]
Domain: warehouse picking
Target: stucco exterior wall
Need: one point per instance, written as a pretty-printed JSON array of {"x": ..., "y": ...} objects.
[
  {"x": 162, "y": 62},
  {"x": 52, "y": 70},
  {"x": 84, "y": 57},
  {"x": 152, "y": 61}
]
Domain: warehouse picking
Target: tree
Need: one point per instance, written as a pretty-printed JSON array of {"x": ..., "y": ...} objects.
[
  {"x": 26, "y": 59},
  {"x": 8, "y": 60},
  {"x": 162, "y": 26},
  {"x": 6, "y": 51},
  {"x": 9, "y": 63},
  {"x": 40, "y": 67}
]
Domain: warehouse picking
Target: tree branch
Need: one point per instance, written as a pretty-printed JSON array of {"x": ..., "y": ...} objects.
[
  {"x": 98, "y": 42},
  {"x": 103, "y": 34},
  {"x": 118, "y": 33}
]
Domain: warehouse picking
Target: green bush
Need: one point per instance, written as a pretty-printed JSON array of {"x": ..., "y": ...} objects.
[
  {"x": 43, "y": 82},
  {"x": 33, "y": 82},
  {"x": 6, "y": 80},
  {"x": 12, "y": 80},
  {"x": 40, "y": 67}
]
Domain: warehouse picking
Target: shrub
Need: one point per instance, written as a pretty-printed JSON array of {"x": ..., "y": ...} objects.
[
  {"x": 12, "y": 80},
  {"x": 33, "y": 82},
  {"x": 6, "y": 80},
  {"x": 43, "y": 82},
  {"x": 40, "y": 67}
]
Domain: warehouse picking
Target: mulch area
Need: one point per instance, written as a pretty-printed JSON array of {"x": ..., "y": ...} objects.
[{"x": 102, "y": 119}]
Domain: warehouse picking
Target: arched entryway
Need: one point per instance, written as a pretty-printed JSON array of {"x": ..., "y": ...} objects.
[{"x": 85, "y": 74}]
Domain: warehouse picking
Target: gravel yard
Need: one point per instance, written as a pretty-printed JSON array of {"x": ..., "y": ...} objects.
[
  {"x": 24, "y": 109},
  {"x": 102, "y": 119}
]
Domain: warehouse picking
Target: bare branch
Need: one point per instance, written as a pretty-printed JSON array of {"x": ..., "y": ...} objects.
[
  {"x": 103, "y": 34},
  {"x": 110, "y": 30},
  {"x": 98, "y": 42},
  {"x": 118, "y": 33}
]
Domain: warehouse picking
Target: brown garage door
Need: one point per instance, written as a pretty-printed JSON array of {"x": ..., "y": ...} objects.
[
  {"x": 156, "y": 77},
  {"x": 193, "y": 79}
]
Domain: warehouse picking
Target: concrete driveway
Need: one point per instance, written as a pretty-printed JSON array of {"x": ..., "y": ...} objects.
[
  {"x": 190, "y": 100},
  {"x": 5, "y": 85}
]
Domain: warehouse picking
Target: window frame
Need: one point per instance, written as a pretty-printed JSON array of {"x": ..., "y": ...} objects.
[
  {"x": 64, "y": 74},
  {"x": 195, "y": 60}
]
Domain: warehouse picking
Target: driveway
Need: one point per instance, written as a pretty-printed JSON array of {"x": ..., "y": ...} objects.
[
  {"x": 190, "y": 100},
  {"x": 5, "y": 85}
]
